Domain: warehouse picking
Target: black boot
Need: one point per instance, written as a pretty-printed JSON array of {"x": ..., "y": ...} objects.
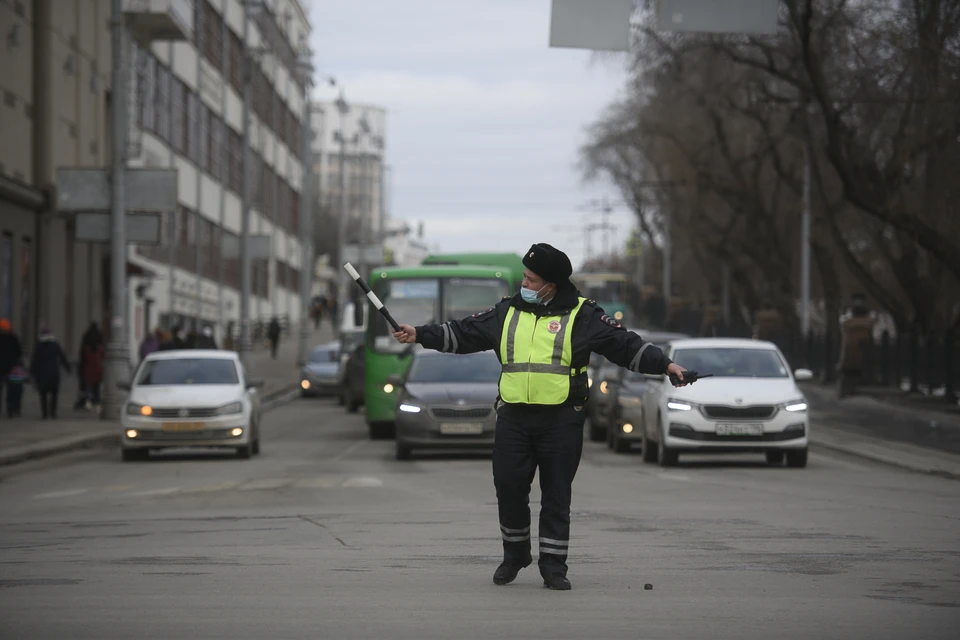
[
  {"x": 557, "y": 582},
  {"x": 507, "y": 571}
]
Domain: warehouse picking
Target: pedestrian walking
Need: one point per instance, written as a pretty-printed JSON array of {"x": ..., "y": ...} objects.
[
  {"x": 45, "y": 365},
  {"x": 543, "y": 337},
  {"x": 206, "y": 340},
  {"x": 92, "y": 365},
  {"x": 273, "y": 333},
  {"x": 16, "y": 380},
  {"x": 10, "y": 353}
]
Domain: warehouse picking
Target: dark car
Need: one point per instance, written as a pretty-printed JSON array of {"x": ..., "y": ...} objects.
[
  {"x": 625, "y": 390},
  {"x": 446, "y": 401},
  {"x": 352, "y": 388},
  {"x": 320, "y": 375},
  {"x": 601, "y": 402}
]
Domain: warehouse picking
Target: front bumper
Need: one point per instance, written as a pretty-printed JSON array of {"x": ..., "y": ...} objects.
[
  {"x": 315, "y": 385},
  {"x": 693, "y": 431},
  {"x": 154, "y": 433},
  {"x": 422, "y": 431}
]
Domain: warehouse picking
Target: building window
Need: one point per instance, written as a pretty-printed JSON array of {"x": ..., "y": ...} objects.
[
  {"x": 236, "y": 61},
  {"x": 178, "y": 130},
  {"x": 148, "y": 88},
  {"x": 212, "y": 34},
  {"x": 204, "y": 138},
  {"x": 163, "y": 103},
  {"x": 193, "y": 116},
  {"x": 216, "y": 147}
]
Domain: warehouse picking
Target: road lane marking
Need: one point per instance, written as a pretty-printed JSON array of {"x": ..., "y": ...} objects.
[
  {"x": 119, "y": 487},
  {"x": 59, "y": 494},
  {"x": 221, "y": 486},
  {"x": 154, "y": 492},
  {"x": 266, "y": 484},
  {"x": 363, "y": 481},
  {"x": 326, "y": 482},
  {"x": 343, "y": 454}
]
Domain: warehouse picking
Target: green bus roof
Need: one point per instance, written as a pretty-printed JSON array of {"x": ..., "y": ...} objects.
[
  {"x": 437, "y": 271},
  {"x": 507, "y": 260}
]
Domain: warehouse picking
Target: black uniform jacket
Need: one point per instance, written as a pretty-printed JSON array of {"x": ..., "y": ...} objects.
[{"x": 593, "y": 332}]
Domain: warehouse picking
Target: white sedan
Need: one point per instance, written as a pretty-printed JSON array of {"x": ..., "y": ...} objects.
[
  {"x": 751, "y": 404},
  {"x": 191, "y": 398}
]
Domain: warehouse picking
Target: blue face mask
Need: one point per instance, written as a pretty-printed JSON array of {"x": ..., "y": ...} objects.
[{"x": 529, "y": 295}]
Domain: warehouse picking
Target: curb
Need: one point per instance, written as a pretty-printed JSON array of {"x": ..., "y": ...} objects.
[
  {"x": 61, "y": 445},
  {"x": 891, "y": 453},
  {"x": 111, "y": 438}
]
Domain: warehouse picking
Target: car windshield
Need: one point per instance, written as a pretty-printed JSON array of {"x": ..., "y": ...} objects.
[
  {"x": 466, "y": 296},
  {"x": 482, "y": 367},
  {"x": 188, "y": 371},
  {"x": 732, "y": 362},
  {"x": 319, "y": 356}
]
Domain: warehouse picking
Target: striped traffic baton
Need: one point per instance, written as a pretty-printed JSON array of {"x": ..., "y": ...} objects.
[{"x": 372, "y": 296}]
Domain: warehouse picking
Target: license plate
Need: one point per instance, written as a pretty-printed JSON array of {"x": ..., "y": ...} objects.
[
  {"x": 461, "y": 428},
  {"x": 739, "y": 429},
  {"x": 182, "y": 426}
]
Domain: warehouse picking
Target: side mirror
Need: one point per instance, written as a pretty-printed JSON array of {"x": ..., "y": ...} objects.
[
  {"x": 803, "y": 375},
  {"x": 254, "y": 383},
  {"x": 124, "y": 386},
  {"x": 395, "y": 380}
]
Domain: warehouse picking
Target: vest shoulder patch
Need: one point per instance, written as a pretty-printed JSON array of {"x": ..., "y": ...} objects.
[{"x": 611, "y": 321}]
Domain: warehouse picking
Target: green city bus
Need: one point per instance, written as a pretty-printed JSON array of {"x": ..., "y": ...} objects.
[
  {"x": 607, "y": 288},
  {"x": 420, "y": 295}
]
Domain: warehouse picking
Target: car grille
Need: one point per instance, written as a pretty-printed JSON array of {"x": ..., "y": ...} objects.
[
  {"x": 776, "y": 436},
  {"x": 185, "y": 436},
  {"x": 444, "y": 413},
  {"x": 192, "y": 412},
  {"x": 755, "y": 412}
]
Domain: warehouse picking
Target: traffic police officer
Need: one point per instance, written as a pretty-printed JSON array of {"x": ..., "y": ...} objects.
[{"x": 543, "y": 337}]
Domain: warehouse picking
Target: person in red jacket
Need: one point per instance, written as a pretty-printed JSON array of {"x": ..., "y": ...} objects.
[{"x": 92, "y": 364}]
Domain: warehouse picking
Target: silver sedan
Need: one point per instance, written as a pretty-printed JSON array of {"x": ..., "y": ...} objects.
[{"x": 446, "y": 401}]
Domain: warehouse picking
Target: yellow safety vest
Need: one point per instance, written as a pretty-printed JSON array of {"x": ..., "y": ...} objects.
[{"x": 537, "y": 356}]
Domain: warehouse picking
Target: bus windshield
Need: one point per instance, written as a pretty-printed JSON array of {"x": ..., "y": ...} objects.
[{"x": 416, "y": 301}]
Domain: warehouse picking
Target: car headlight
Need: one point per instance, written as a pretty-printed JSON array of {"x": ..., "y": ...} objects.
[
  {"x": 795, "y": 405},
  {"x": 679, "y": 405},
  {"x": 134, "y": 409},
  {"x": 604, "y": 387},
  {"x": 227, "y": 409},
  {"x": 406, "y": 407},
  {"x": 589, "y": 382}
]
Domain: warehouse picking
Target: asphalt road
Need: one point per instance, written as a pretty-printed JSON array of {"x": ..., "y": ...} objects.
[{"x": 325, "y": 535}]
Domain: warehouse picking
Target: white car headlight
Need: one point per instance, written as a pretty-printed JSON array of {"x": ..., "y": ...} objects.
[
  {"x": 134, "y": 409},
  {"x": 679, "y": 405},
  {"x": 795, "y": 405},
  {"x": 227, "y": 409},
  {"x": 409, "y": 408}
]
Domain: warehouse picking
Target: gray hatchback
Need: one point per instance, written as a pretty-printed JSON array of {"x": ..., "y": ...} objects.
[{"x": 446, "y": 401}]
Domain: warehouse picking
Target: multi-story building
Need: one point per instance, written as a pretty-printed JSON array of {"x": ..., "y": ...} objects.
[
  {"x": 185, "y": 112},
  {"x": 188, "y": 115},
  {"x": 362, "y": 130}
]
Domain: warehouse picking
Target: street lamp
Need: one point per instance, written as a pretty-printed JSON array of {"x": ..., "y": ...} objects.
[{"x": 343, "y": 108}]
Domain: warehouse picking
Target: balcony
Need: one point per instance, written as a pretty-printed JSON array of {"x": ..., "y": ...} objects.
[{"x": 150, "y": 20}]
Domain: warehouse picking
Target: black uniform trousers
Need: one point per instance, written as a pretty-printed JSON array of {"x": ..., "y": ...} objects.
[{"x": 528, "y": 438}]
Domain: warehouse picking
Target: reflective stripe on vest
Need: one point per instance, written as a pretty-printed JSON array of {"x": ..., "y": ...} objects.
[{"x": 536, "y": 354}]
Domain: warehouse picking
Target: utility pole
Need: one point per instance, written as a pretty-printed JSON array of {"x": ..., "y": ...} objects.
[
  {"x": 343, "y": 108},
  {"x": 805, "y": 239},
  {"x": 306, "y": 208},
  {"x": 117, "y": 358},
  {"x": 243, "y": 349}
]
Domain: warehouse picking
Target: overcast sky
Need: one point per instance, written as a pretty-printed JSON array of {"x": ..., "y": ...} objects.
[{"x": 484, "y": 119}]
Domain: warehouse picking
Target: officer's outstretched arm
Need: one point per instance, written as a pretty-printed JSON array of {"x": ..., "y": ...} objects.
[
  {"x": 625, "y": 348},
  {"x": 479, "y": 332}
]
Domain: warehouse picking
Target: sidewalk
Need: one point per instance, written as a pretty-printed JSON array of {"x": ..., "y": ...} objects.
[
  {"x": 902, "y": 435},
  {"x": 29, "y": 436}
]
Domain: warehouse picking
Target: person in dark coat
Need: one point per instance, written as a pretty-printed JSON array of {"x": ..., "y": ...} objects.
[
  {"x": 273, "y": 333},
  {"x": 177, "y": 341},
  {"x": 205, "y": 340},
  {"x": 10, "y": 353},
  {"x": 45, "y": 365}
]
